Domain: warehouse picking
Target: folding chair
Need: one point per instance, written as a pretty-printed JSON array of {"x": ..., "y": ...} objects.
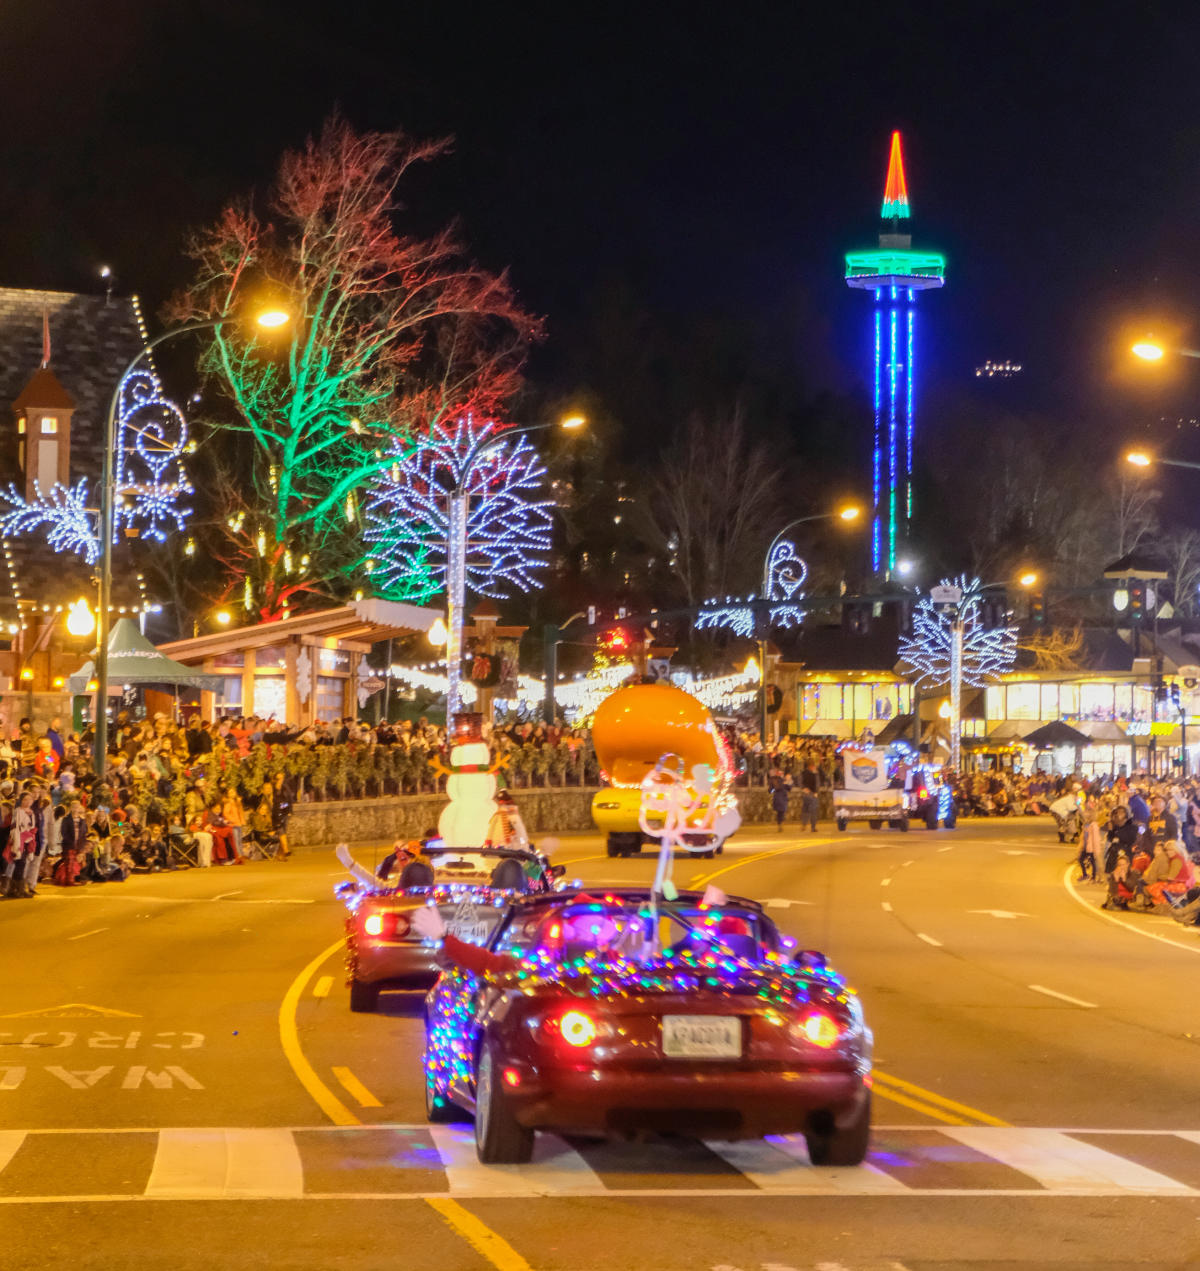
[
  {"x": 260, "y": 847},
  {"x": 181, "y": 848}
]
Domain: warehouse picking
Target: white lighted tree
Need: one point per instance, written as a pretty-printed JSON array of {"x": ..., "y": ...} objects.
[{"x": 950, "y": 644}]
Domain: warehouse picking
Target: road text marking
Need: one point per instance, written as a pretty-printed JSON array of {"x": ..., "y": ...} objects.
[
  {"x": 322, "y": 986},
  {"x": 937, "y": 944}
]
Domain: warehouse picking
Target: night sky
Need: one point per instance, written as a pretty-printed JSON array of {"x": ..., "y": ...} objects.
[{"x": 713, "y": 162}]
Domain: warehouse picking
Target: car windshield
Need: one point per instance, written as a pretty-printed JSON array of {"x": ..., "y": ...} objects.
[{"x": 622, "y": 929}]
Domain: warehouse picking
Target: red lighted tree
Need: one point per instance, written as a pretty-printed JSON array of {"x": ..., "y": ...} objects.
[{"x": 390, "y": 333}]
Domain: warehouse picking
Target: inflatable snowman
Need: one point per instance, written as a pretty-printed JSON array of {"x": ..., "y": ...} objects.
[{"x": 471, "y": 786}]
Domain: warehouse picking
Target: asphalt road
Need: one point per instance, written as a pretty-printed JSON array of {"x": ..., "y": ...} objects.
[{"x": 182, "y": 1083}]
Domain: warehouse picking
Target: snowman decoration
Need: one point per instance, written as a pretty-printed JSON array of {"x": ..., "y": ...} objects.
[{"x": 470, "y": 786}]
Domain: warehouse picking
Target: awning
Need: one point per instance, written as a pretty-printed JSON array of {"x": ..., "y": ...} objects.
[
  {"x": 1054, "y": 734},
  {"x": 132, "y": 659}
]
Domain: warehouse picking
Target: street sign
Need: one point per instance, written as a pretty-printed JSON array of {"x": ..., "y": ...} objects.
[{"x": 945, "y": 595}]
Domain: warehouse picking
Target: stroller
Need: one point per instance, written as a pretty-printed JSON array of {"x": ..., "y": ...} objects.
[{"x": 1067, "y": 818}]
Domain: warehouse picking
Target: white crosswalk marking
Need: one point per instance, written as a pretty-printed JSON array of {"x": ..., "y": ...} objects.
[
  {"x": 10, "y": 1141},
  {"x": 195, "y": 1164},
  {"x": 781, "y": 1164},
  {"x": 556, "y": 1168},
  {"x": 1064, "y": 1164}
]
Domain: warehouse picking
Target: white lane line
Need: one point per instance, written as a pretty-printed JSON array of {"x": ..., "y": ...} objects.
[
  {"x": 214, "y": 1164},
  {"x": 1063, "y": 1163},
  {"x": 322, "y": 986},
  {"x": 947, "y": 849},
  {"x": 84, "y": 935},
  {"x": 226, "y": 894},
  {"x": 10, "y": 1143},
  {"x": 937, "y": 944},
  {"x": 555, "y": 1169},
  {"x": 907, "y": 864},
  {"x": 885, "y": 882},
  {"x": 860, "y": 1178},
  {"x": 1063, "y": 997},
  {"x": 1125, "y": 926},
  {"x": 887, "y": 909}
]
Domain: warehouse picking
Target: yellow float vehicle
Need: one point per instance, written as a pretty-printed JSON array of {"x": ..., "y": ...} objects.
[{"x": 633, "y": 728}]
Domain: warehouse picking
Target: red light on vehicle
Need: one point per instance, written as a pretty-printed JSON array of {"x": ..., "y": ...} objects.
[
  {"x": 577, "y": 1028},
  {"x": 821, "y": 1029},
  {"x": 374, "y": 925},
  {"x": 512, "y": 1077},
  {"x": 555, "y": 931},
  {"x": 400, "y": 927},
  {"x": 922, "y": 793}
]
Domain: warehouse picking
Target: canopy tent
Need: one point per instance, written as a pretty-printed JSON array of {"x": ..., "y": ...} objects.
[
  {"x": 1055, "y": 734},
  {"x": 132, "y": 659}
]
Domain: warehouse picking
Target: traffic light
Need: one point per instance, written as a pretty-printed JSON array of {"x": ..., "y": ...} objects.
[
  {"x": 1137, "y": 602},
  {"x": 615, "y": 641},
  {"x": 1037, "y": 608}
]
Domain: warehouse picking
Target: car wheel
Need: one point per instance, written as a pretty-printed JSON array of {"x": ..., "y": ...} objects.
[
  {"x": 721, "y": 850},
  {"x": 438, "y": 1109},
  {"x": 931, "y": 820},
  {"x": 830, "y": 1144},
  {"x": 875, "y": 825},
  {"x": 613, "y": 846},
  {"x": 363, "y": 997},
  {"x": 841, "y": 824},
  {"x": 499, "y": 1138}
]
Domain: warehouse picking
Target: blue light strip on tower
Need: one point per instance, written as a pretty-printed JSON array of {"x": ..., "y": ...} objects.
[
  {"x": 908, "y": 410},
  {"x": 877, "y": 460},
  {"x": 893, "y": 456}
]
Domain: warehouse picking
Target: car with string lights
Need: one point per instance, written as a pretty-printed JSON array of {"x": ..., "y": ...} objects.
[
  {"x": 472, "y": 889},
  {"x": 623, "y": 1015}
]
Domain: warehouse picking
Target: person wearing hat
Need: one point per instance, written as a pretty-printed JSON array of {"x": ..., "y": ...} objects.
[{"x": 506, "y": 828}]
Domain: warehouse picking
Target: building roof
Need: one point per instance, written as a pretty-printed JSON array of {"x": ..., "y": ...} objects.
[
  {"x": 363, "y": 621},
  {"x": 45, "y": 391}
]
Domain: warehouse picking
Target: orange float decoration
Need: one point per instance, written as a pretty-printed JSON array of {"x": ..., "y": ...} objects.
[{"x": 633, "y": 729}]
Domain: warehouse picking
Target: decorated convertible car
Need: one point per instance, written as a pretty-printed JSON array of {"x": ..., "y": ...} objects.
[
  {"x": 618, "y": 1015},
  {"x": 471, "y": 887}
]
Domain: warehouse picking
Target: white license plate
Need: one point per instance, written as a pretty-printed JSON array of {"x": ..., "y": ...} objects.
[{"x": 702, "y": 1036}]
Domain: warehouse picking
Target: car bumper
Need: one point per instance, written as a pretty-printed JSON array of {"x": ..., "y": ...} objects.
[
  {"x": 406, "y": 965},
  {"x": 720, "y": 1104}
]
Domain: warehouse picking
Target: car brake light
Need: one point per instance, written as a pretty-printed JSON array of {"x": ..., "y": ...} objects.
[
  {"x": 512, "y": 1077},
  {"x": 387, "y": 926},
  {"x": 821, "y": 1029},
  {"x": 577, "y": 1028},
  {"x": 373, "y": 925}
]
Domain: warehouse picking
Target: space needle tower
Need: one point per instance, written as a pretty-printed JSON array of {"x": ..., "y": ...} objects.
[{"x": 893, "y": 273}]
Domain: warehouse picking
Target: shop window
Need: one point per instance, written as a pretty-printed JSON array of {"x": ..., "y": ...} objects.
[
  {"x": 1024, "y": 701},
  {"x": 1096, "y": 702},
  {"x": 330, "y": 697}
]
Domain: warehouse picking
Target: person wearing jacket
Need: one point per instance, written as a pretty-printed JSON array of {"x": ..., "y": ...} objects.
[
  {"x": 72, "y": 834},
  {"x": 22, "y": 844}
]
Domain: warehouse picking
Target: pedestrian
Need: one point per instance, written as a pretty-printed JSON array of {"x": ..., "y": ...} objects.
[
  {"x": 779, "y": 801},
  {"x": 809, "y": 808}
]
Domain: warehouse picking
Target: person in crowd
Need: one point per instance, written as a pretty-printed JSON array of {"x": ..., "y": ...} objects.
[
  {"x": 1090, "y": 848},
  {"x": 234, "y": 815},
  {"x": 21, "y": 846},
  {"x": 1139, "y": 809},
  {"x": 73, "y": 837},
  {"x": 780, "y": 795}
]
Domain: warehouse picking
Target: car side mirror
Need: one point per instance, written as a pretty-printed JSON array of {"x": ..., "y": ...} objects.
[{"x": 810, "y": 957}]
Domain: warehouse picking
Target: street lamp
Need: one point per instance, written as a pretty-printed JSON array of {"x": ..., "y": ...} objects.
[
  {"x": 456, "y": 554},
  {"x": 847, "y": 514},
  {"x": 80, "y": 619},
  {"x": 268, "y": 318},
  {"x": 1150, "y": 350},
  {"x": 1142, "y": 459}
]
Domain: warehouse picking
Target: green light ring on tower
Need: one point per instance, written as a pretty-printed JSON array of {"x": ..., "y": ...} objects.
[{"x": 895, "y": 263}]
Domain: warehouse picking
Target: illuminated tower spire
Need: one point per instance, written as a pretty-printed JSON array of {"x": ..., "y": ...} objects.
[
  {"x": 893, "y": 273},
  {"x": 895, "y": 190}
]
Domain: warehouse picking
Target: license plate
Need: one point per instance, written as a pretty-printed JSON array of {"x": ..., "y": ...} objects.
[{"x": 702, "y": 1036}]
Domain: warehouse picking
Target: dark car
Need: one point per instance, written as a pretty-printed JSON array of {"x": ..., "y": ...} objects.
[
  {"x": 472, "y": 887},
  {"x": 612, "y": 1016}
]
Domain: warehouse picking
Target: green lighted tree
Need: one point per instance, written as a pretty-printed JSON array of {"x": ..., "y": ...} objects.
[{"x": 390, "y": 333}]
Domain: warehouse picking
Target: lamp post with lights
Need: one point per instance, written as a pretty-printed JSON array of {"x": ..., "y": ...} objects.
[
  {"x": 269, "y": 319},
  {"x": 848, "y": 515}
]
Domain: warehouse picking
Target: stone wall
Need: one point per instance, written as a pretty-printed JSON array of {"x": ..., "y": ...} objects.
[{"x": 409, "y": 816}]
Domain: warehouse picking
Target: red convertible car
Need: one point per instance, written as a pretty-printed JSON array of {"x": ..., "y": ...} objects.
[
  {"x": 608, "y": 1014},
  {"x": 472, "y": 888}
]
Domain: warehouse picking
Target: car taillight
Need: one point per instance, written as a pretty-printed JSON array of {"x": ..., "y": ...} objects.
[
  {"x": 577, "y": 1028},
  {"x": 574, "y": 1027},
  {"x": 387, "y": 926},
  {"x": 820, "y": 1029}
]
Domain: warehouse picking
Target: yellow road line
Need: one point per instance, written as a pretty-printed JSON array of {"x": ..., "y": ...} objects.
[
  {"x": 289, "y": 1039},
  {"x": 704, "y": 879},
  {"x": 952, "y": 1105},
  {"x": 356, "y": 1088},
  {"x": 926, "y": 1109},
  {"x": 490, "y": 1246}
]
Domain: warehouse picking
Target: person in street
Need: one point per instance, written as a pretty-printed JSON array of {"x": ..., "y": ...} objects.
[
  {"x": 1090, "y": 849},
  {"x": 779, "y": 801}
]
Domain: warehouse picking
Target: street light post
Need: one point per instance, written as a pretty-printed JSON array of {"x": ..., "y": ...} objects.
[
  {"x": 456, "y": 553},
  {"x": 850, "y": 513},
  {"x": 271, "y": 318}
]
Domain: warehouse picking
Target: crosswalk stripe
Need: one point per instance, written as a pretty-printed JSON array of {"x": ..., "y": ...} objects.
[
  {"x": 781, "y": 1164},
  {"x": 1064, "y": 1164},
  {"x": 10, "y": 1143},
  {"x": 556, "y": 1167},
  {"x": 196, "y": 1164}
]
